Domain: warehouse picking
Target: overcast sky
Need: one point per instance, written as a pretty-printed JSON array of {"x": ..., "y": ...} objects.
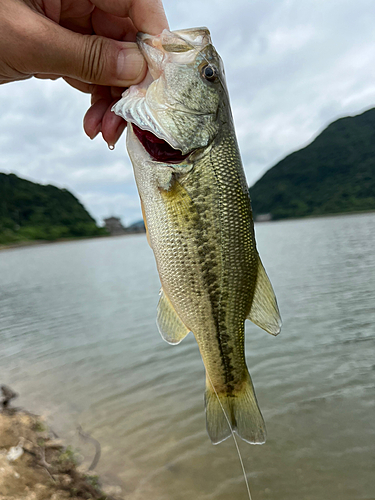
[{"x": 292, "y": 67}]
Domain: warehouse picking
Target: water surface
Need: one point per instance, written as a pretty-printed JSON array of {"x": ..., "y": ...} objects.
[{"x": 79, "y": 343}]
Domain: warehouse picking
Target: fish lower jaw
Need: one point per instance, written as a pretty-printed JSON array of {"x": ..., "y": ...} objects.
[{"x": 158, "y": 149}]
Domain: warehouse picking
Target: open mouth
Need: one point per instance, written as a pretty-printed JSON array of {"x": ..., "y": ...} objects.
[{"x": 158, "y": 149}]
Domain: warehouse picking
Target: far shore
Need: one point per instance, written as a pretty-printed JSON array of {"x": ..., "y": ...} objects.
[
  {"x": 29, "y": 243},
  {"x": 318, "y": 216}
]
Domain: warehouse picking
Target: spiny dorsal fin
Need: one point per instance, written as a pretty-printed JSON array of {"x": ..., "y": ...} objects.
[
  {"x": 170, "y": 326},
  {"x": 264, "y": 309}
]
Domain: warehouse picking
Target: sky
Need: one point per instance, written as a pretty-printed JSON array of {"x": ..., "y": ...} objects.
[{"x": 292, "y": 67}]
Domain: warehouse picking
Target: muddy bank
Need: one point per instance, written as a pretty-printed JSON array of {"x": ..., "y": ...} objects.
[{"x": 35, "y": 464}]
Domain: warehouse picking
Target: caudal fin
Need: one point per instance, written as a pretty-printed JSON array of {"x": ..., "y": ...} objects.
[{"x": 242, "y": 414}]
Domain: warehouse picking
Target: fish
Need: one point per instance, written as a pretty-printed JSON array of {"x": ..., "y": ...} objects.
[{"x": 197, "y": 212}]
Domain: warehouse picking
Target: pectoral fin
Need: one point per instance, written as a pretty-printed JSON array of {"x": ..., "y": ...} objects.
[
  {"x": 170, "y": 326},
  {"x": 264, "y": 309}
]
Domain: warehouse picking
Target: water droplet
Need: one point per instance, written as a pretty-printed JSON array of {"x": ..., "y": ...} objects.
[{"x": 111, "y": 147}]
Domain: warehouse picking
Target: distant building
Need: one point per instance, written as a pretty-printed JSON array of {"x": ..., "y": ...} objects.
[
  {"x": 113, "y": 226},
  {"x": 263, "y": 218}
]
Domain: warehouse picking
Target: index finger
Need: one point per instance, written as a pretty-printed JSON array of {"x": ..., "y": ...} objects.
[{"x": 147, "y": 15}]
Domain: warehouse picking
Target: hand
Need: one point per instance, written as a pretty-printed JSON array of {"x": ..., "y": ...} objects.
[{"x": 90, "y": 43}]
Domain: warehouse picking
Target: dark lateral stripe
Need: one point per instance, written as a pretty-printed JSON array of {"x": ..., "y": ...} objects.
[{"x": 212, "y": 281}]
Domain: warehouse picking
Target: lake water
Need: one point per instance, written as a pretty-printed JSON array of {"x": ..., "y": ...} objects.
[{"x": 80, "y": 344}]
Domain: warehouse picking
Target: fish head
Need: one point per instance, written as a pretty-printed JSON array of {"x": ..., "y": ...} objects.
[{"x": 175, "y": 110}]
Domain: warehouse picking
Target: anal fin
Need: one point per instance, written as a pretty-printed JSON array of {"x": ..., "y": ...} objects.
[
  {"x": 264, "y": 309},
  {"x": 170, "y": 326}
]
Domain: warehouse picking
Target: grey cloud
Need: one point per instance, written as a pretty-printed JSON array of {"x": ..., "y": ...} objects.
[
  {"x": 292, "y": 67},
  {"x": 42, "y": 140}
]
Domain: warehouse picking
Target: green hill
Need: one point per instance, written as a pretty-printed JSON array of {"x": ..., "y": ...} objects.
[
  {"x": 30, "y": 211},
  {"x": 334, "y": 174}
]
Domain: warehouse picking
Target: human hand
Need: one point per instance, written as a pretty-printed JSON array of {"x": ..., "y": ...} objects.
[{"x": 90, "y": 43}]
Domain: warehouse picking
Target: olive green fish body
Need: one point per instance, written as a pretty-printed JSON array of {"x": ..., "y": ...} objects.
[
  {"x": 200, "y": 227},
  {"x": 205, "y": 251}
]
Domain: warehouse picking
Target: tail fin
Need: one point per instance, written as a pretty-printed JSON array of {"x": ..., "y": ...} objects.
[{"x": 237, "y": 411}]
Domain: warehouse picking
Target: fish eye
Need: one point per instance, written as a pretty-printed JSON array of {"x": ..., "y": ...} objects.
[{"x": 209, "y": 73}]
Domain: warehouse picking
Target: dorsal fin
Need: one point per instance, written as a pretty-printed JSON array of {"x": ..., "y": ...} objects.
[
  {"x": 170, "y": 326},
  {"x": 264, "y": 309}
]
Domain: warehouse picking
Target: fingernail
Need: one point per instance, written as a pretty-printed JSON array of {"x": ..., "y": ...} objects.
[
  {"x": 96, "y": 132},
  {"x": 119, "y": 131},
  {"x": 130, "y": 64}
]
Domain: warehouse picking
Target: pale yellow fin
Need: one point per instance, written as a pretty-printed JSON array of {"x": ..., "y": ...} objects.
[
  {"x": 170, "y": 326},
  {"x": 264, "y": 309},
  {"x": 238, "y": 412},
  {"x": 145, "y": 221}
]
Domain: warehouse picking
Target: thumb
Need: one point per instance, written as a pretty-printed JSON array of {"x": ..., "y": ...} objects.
[{"x": 89, "y": 58}]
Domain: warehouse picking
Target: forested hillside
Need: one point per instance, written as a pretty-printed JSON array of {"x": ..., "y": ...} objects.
[
  {"x": 334, "y": 174},
  {"x": 30, "y": 211}
]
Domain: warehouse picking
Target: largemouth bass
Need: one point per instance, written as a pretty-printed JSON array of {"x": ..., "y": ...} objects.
[{"x": 197, "y": 212}]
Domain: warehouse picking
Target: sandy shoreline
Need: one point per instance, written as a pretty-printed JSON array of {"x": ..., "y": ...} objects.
[{"x": 36, "y": 465}]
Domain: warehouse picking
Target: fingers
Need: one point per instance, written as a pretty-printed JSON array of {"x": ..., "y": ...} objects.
[
  {"x": 88, "y": 62},
  {"x": 92, "y": 122},
  {"x": 76, "y": 15},
  {"x": 46, "y": 76},
  {"x": 112, "y": 126},
  {"x": 99, "y": 118},
  {"x": 84, "y": 87},
  {"x": 147, "y": 15},
  {"x": 48, "y": 48},
  {"x": 100, "y": 100},
  {"x": 114, "y": 27}
]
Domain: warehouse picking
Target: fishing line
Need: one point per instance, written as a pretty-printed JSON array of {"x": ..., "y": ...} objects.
[{"x": 234, "y": 437}]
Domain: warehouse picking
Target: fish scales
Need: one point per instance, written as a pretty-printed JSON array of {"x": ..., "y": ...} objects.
[
  {"x": 197, "y": 210},
  {"x": 218, "y": 265}
]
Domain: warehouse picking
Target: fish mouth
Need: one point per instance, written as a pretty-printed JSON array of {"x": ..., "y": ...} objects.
[
  {"x": 157, "y": 148},
  {"x": 144, "y": 112}
]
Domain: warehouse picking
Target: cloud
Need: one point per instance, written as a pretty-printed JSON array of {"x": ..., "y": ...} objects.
[
  {"x": 292, "y": 67},
  {"x": 42, "y": 140},
  {"x": 112, "y": 204}
]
